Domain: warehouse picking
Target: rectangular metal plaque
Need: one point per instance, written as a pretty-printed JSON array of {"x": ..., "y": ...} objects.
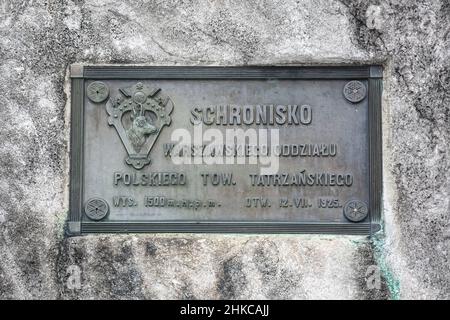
[{"x": 225, "y": 149}]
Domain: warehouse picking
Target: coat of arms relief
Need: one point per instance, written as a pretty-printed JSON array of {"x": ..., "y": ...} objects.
[{"x": 138, "y": 113}]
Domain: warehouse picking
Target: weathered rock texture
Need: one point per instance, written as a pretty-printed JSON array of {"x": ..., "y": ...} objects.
[{"x": 40, "y": 39}]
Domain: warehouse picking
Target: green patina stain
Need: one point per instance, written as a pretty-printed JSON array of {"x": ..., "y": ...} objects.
[
  {"x": 377, "y": 242},
  {"x": 392, "y": 282}
]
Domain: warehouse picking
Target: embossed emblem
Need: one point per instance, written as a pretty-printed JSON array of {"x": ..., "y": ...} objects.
[
  {"x": 97, "y": 91},
  {"x": 139, "y": 113},
  {"x": 96, "y": 209},
  {"x": 354, "y": 91},
  {"x": 355, "y": 210}
]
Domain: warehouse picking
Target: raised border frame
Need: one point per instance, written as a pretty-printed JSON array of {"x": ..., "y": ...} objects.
[{"x": 79, "y": 73}]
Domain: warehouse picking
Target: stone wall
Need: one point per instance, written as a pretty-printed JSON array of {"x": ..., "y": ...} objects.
[{"x": 40, "y": 39}]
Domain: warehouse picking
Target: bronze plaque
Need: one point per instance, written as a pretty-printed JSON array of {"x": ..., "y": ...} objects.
[{"x": 225, "y": 149}]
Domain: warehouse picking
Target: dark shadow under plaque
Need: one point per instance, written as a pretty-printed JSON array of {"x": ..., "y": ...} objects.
[{"x": 225, "y": 149}]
